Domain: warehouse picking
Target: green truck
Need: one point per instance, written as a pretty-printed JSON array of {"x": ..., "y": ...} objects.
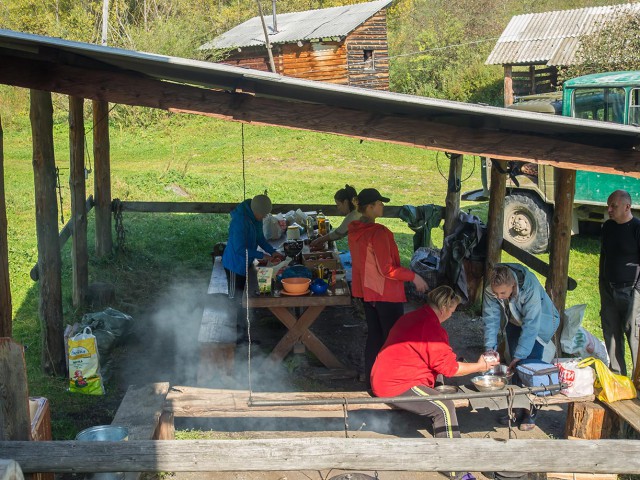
[{"x": 610, "y": 97}]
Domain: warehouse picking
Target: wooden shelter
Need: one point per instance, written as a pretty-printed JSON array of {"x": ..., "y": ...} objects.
[
  {"x": 343, "y": 45},
  {"x": 535, "y": 46}
]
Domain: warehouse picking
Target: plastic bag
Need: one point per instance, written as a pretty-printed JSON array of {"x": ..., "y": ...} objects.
[
  {"x": 579, "y": 380},
  {"x": 84, "y": 364},
  {"x": 271, "y": 227},
  {"x": 426, "y": 262},
  {"x": 576, "y": 340},
  {"x": 612, "y": 387}
]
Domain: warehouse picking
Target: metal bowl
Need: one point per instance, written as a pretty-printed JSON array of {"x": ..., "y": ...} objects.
[
  {"x": 489, "y": 383},
  {"x": 500, "y": 371},
  {"x": 446, "y": 389}
]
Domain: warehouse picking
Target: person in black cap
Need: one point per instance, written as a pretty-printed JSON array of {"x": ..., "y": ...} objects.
[
  {"x": 245, "y": 236},
  {"x": 377, "y": 276}
]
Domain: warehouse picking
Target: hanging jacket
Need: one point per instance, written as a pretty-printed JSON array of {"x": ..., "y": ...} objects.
[
  {"x": 376, "y": 272},
  {"x": 245, "y": 234},
  {"x": 529, "y": 305}
]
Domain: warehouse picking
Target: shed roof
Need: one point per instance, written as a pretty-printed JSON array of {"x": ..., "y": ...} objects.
[
  {"x": 551, "y": 38},
  {"x": 305, "y": 26}
]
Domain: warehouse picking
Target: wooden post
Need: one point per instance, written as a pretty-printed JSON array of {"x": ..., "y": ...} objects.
[
  {"x": 15, "y": 422},
  {"x": 556, "y": 284},
  {"x": 79, "y": 255},
  {"x": 102, "y": 177},
  {"x": 508, "y": 86},
  {"x": 452, "y": 201},
  {"x": 5, "y": 287},
  {"x": 49, "y": 262},
  {"x": 590, "y": 421},
  {"x": 495, "y": 222},
  {"x": 532, "y": 79}
]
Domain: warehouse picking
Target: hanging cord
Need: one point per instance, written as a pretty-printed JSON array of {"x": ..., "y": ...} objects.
[
  {"x": 510, "y": 398},
  {"x": 246, "y": 272},
  {"x": 455, "y": 185},
  {"x": 119, "y": 223},
  {"x": 345, "y": 414},
  {"x": 59, "y": 187}
]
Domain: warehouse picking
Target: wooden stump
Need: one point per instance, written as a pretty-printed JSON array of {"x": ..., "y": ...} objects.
[{"x": 589, "y": 421}]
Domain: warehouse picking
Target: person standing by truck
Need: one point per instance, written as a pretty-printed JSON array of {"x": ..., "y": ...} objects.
[{"x": 618, "y": 280}]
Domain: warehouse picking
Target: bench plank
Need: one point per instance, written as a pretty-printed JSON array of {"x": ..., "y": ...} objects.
[
  {"x": 628, "y": 410},
  {"x": 141, "y": 409},
  {"x": 218, "y": 282},
  {"x": 206, "y": 402}
]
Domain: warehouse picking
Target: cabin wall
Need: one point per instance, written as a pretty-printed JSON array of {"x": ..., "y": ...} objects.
[
  {"x": 321, "y": 61},
  {"x": 253, "y": 57},
  {"x": 371, "y": 36},
  {"x": 532, "y": 79}
]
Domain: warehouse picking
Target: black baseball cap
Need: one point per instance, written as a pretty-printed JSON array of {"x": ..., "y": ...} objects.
[{"x": 370, "y": 195}]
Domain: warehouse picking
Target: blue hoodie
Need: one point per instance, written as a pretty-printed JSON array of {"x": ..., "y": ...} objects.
[
  {"x": 529, "y": 303},
  {"x": 245, "y": 235}
]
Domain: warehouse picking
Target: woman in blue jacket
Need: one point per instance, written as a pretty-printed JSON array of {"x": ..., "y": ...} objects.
[
  {"x": 516, "y": 305},
  {"x": 245, "y": 236}
]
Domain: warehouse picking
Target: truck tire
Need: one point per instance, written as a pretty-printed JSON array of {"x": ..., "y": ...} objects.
[{"x": 527, "y": 222}]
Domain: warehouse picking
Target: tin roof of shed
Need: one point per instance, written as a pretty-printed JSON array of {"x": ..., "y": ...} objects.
[
  {"x": 305, "y": 26},
  {"x": 551, "y": 38}
]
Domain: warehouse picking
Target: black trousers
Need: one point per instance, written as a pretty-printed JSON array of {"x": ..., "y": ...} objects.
[
  {"x": 442, "y": 413},
  {"x": 380, "y": 317}
]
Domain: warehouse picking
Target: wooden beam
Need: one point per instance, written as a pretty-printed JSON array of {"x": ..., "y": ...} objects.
[
  {"x": 131, "y": 89},
  {"x": 495, "y": 219},
  {"x": 417, "y": 455},
  {"x": 102, "y": 177},
  {"x": 49, "y": 261},
  {"x": 15, "y": 423},
  {"x": 6, "y": 311},
  {"x": 79, "y": 253},
  {"x": 508, "y": 85},
  {"x": 560, "y": 248},
  {"x": 452, "y": 200}
]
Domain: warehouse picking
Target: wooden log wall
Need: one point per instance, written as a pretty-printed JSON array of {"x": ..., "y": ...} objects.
[
  {"x": 320, "y": 61},
  {"x": 102, "y": 177},
  {"x": 255, "y": 58},
  {"x": 79, "y": 253},
  {"x": 532, "y": 79},
  {"x": 371, "y": 35},
  {"x": 49, "y": 261},
  {"x": 6, "y": 312}
]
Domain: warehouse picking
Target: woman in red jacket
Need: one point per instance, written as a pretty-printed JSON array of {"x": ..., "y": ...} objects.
[{"x": 377, "y": 276}]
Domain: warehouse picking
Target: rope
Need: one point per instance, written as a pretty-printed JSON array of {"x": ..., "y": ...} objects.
[
  {"x": 246, "y": 270},
  {"x": 345, "y": 413}
]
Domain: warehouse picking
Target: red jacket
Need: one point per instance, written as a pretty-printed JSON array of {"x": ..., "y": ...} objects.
[
  {"x": 415, "y": 352},
  {"x": 376, "y": 272}
]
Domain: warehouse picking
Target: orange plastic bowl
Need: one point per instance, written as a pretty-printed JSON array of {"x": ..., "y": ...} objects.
[{"x": 296, "y": 284}]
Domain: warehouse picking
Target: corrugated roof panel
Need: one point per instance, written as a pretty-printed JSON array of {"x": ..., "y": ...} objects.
[
  {"x": 307, "y": 25},
  {"x": 551, "y": 37}
]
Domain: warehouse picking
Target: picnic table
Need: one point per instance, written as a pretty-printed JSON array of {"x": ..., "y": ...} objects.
[{"x": 297, "y": 313}]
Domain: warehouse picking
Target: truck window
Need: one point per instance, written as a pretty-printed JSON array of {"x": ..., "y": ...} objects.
[
  {"x": 605, "y": 104},
  {"x": 634, "y": 107}
]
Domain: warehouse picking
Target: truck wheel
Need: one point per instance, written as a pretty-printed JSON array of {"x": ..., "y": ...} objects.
[{"x": 526, "y": 222}]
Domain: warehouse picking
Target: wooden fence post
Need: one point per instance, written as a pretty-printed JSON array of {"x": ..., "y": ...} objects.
[
  {"x": 452, "y": 201},
  {"x": 15, "y": 422},
  {"x": 495, "y": 222},
  {"x": 79, "y": 255},
  {"x": 102, "y": 177},
  {"x": 49, "y": 261},
  {"x": 5, "y": 288}
]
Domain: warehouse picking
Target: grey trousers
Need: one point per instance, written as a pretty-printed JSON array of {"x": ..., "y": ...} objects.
[{"x": 620, "y": 317}]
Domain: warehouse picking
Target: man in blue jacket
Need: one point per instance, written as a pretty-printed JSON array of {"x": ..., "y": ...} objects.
[
  {"x": 245, "y": 236},
  {"x": 516, "y": 305}
]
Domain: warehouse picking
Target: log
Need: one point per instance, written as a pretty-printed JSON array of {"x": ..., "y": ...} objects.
[
  {"x": 102, "y": 178},
  {"x": 79, "y": 253},
  {"x": 508, "y": 85},
  {"x": 556, "y": 284},
  {"x": 15, "y": 421},
  {"x": 452, "y": 200},
  {"x": 495, "y": 221},
  {"x": 6, "y": 311},
  {"x": 49, "y": 259},
  {"x": 418, "y": 455},
  {"x": 589, "y": 421}
]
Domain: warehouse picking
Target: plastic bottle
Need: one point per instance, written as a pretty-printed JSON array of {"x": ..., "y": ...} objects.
[{"x": 322, "y": 223}]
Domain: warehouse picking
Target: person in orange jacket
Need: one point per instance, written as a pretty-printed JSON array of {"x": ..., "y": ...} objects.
[{"x": 377, "y": 276}]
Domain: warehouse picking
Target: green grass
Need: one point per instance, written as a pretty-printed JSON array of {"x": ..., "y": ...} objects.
[{"x": 204, "y": 157}]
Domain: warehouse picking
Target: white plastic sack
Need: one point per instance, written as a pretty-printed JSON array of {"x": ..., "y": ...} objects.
[
  {"x": 590, "y": 346},
  {"x": 271, "y": 227},
  {"x": 572, "y": 320},
  {"x": 579, "y": 380}
]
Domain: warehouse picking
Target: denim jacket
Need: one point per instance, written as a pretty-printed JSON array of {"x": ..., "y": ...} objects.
[{"x": 529, "y": 304}]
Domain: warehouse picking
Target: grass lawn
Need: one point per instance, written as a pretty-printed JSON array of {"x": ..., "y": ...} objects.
[{"x": 204, "y": 158}]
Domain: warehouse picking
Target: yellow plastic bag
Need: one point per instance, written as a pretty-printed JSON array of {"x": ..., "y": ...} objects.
[
  {"x": 613, "y": 387},
  {"x": 84, "y": 364}
]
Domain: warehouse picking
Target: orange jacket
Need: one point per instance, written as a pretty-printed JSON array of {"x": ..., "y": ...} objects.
[{"x": 376, "y": 272}]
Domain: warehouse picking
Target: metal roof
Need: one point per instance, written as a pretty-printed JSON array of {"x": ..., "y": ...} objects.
[
  {"x": 551, "y": 38},
  {"x": 304, "y": 26},
  {"x": 41, "y": 50}
]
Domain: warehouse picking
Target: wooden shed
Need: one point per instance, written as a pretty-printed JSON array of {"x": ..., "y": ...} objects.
[
  {"x": 534, "y": 46},
  {"x": 344, "y": 45}
]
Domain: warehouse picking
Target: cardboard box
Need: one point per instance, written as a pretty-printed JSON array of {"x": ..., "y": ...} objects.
[{"x": 330, "y": 260}]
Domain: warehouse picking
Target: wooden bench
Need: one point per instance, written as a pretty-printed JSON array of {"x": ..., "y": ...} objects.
[
  {"x": 141, "y": 412},
  {"x": 627, "y": 410},
  {"x": 217, "y": 336}
]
